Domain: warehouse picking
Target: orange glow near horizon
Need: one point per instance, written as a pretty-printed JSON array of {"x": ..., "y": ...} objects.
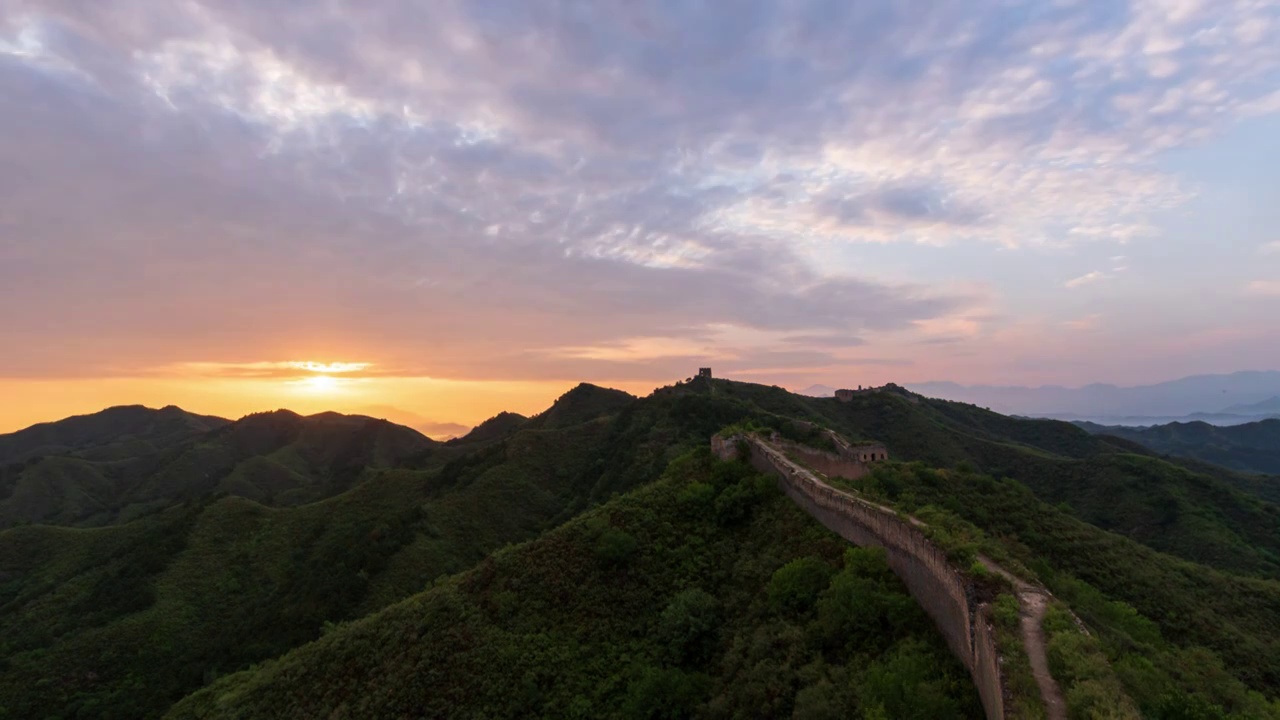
[
  {"x": 413, "y": 401},
  {"x": 320, "y": 384}
]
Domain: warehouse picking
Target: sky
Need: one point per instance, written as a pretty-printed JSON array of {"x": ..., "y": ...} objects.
[{"x": 447, "y": 209}]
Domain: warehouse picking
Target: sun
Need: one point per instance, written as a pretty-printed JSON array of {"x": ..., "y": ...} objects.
[
  {"x": 327, "y": 379},
  {"x": 320, "y": 383}
]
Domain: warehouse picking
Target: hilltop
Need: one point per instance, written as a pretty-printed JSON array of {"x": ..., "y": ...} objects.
[
  {"x": 116, "y": 432},
  {"x": 498, "y": 427}
]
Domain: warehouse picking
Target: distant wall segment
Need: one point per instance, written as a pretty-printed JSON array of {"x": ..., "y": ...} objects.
[{"x": 944, "y": 592}]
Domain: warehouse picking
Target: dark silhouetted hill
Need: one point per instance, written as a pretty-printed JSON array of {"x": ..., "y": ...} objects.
[
  {"x": 581, "y": 404},
  {"x": 498, "y": 427},
  {"x": 116, "y": 432}
]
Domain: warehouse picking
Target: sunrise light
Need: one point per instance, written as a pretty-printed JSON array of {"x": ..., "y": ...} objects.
[{"x": 320, "y": 383}]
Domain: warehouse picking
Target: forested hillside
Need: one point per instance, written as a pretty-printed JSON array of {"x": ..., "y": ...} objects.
[
  {"x": 705, "y": 593},
  {"x": 277, "y": 458},
  {"x": 253, "y": 539}
]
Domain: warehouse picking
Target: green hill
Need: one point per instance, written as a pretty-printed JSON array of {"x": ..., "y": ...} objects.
[
  {"x": 1251, "y": 447},
  {"x": 118, "y": 432},
  {"x": 249, "y": 540},
  {"x": 214, "y": 585},
  {"x": 582, "y": 403},
  {"x": 219, "y": 582},
  {"x": 574, "y": 622},
  {"x": 663, "y": 603},
  {"x": 277, "y": 458}
]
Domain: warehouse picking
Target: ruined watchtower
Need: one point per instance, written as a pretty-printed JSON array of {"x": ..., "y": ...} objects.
[
  {"x": 704, "y": 373},
  {"x": 846, "y": 395}
]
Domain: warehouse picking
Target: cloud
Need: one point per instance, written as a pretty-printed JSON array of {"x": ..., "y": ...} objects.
[
  {"x": 1268, "y": 288},
  {"x": 271, "y": 369},
  {"x": 1087, "y": 279},
  {"x": 828, "y": 341},
  {"x": 1118, "y": 267},
  {"x": 899, "y": 205},
  {"x": 1088, "y": 322},
  {"x": 1271, "y": 248},
  {"x": 465, "y": 190}
]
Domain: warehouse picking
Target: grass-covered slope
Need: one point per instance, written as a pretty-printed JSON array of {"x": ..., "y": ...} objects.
[{"x": 706, "y": 594}]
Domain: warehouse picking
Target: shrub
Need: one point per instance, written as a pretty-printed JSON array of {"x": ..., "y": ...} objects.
[
  {"x": 1005, "y": 612},
  {"x": 615, "y": 547},
  {"x": 664, "y": 693},
  {"x": 908, "y": 683},
  {"x": 734, "y": 503},
  {"x": 795, "y": 586},
  {"x": 688, "y": 622},
  {"x": 697, "y": 498}
]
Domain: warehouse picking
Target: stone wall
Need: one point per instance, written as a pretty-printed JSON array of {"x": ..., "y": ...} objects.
[
  {"x": 985, "y": 669},
  {"x": 827, "y": 463},
  {"x": 944, "y": 593}
]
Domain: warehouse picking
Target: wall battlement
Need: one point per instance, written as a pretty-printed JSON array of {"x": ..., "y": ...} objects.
[{"x": 944, "y": 592}]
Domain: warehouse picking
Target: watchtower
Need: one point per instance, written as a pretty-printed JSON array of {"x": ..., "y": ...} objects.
[{"x": 704, "y": 373}]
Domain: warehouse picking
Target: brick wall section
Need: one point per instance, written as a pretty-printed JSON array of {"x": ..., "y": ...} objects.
[{"x": 944, "y": 593}]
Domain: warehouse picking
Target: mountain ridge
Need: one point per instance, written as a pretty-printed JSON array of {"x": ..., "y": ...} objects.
[
  {"x": 116, "y": 424},
  {"x": 1183, "y": 396},
  {"x": 1250, "y": 447}
]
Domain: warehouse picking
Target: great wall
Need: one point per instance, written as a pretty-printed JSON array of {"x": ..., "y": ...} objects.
[{"x": 944, "y": 591}]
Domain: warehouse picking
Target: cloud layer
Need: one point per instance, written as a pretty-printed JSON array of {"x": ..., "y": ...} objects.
[{"x": 554, "y": 190}]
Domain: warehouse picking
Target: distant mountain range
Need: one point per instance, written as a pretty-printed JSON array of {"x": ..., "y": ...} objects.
[
  {"x": 1216, "y": 399},
  {"x": 1266, "y": 407},
  {"x": 434, "y": 429},
  {"x": 1251, "y": 447}
]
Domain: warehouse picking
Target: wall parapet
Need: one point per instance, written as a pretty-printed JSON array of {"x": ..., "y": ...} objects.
[{"x": 945, "y": 593}]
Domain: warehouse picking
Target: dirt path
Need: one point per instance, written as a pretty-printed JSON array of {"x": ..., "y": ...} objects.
[{"x": 1032, "y": 604}]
